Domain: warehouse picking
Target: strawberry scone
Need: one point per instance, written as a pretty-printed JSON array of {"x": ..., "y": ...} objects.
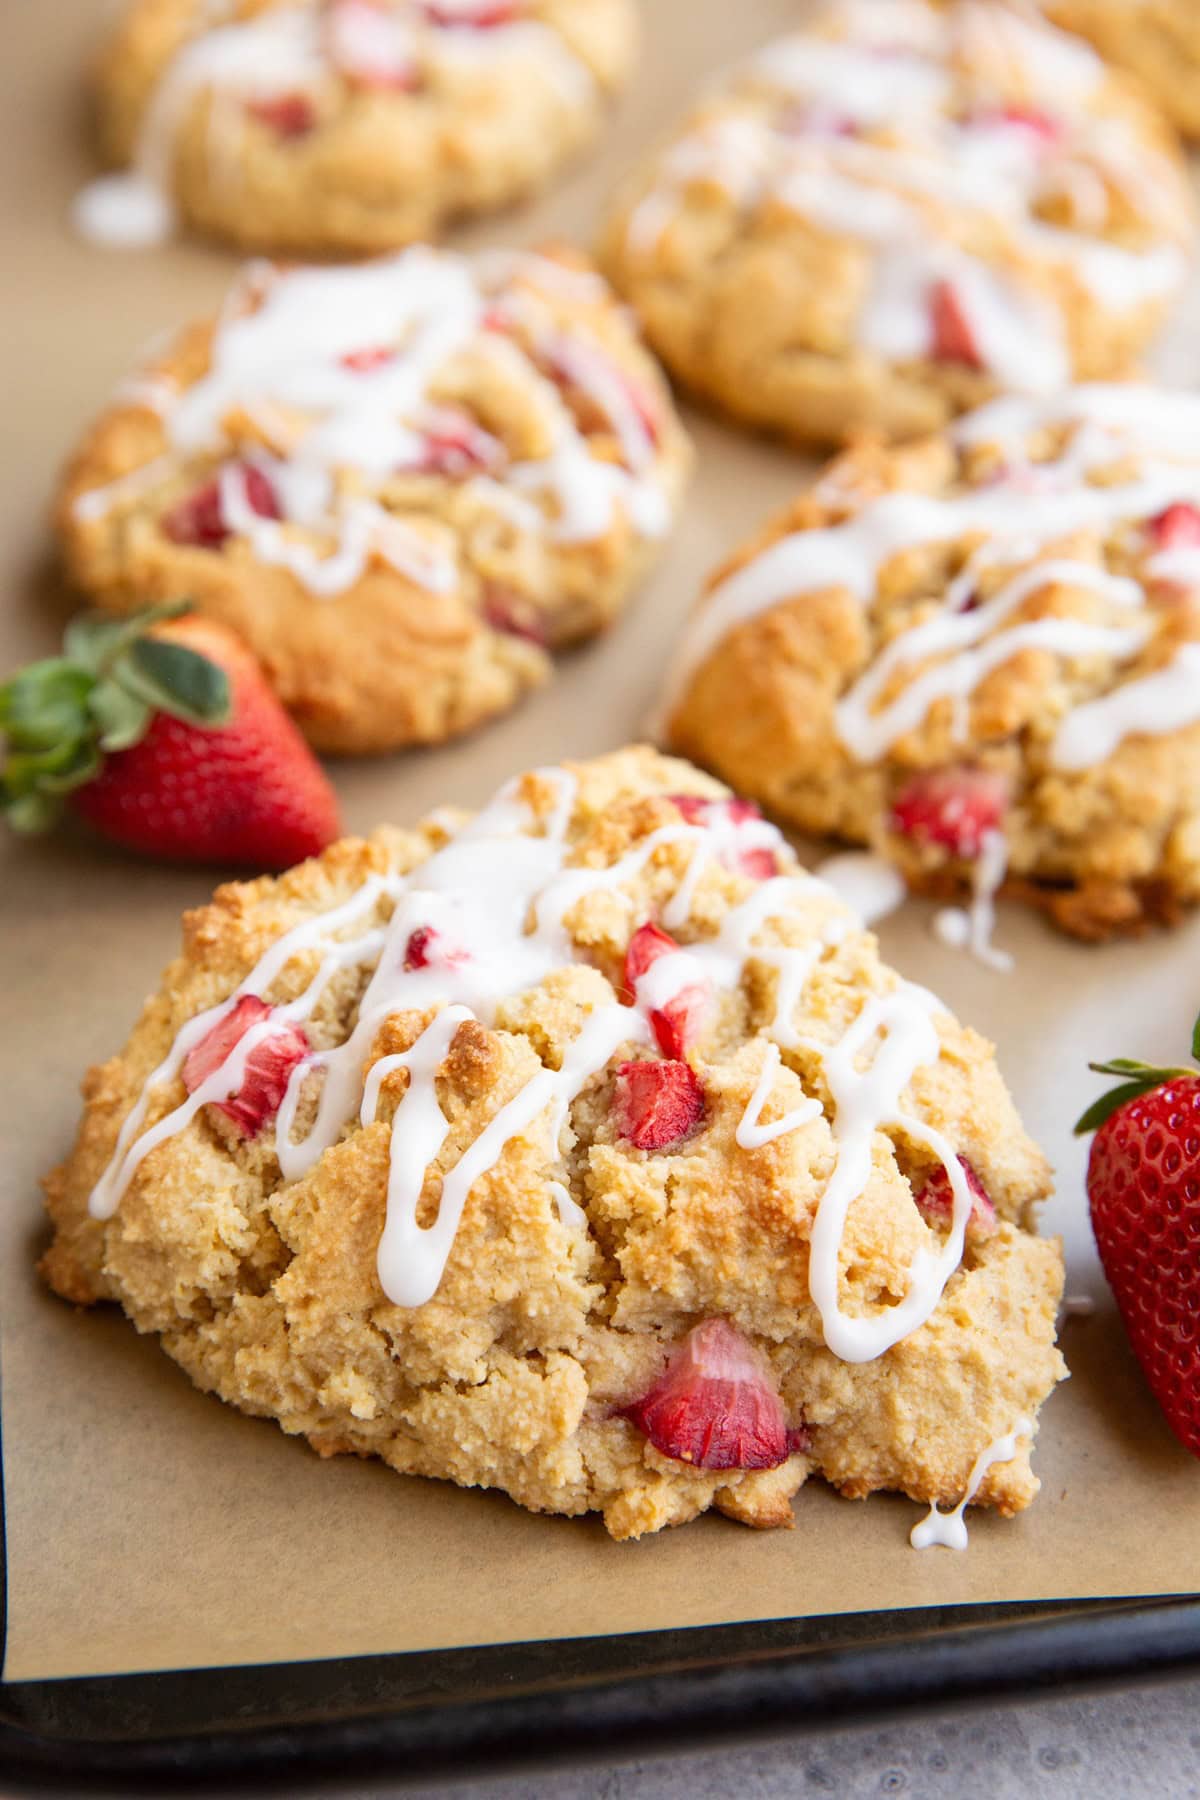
[
  {"x": 404, "y": 483},
  {"x": 340, "y": 127},
  {"x": 583, "y": 1149},
  {"x": 980, "y": 655},
  {"x": 1156, "y": 40},
  {"x": 906, "y": 207}
]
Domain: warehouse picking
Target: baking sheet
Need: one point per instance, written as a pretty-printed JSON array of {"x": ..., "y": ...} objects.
[{"x": 150, "y": 1527}]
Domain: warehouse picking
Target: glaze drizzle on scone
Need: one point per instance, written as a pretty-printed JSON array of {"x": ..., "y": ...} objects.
[
  {"x": 488, "y": 431},
  {"x": 341, "y": 125},
  {"x": 1014, "y": 640},
  {"x": 952, "y": 198},
  {"x": 693, "y": 1067}
]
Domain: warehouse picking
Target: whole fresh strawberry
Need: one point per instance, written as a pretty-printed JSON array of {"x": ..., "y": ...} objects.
[
  {"x": 161, "y": 731},
  {"x": 1144, "y": 1192}
]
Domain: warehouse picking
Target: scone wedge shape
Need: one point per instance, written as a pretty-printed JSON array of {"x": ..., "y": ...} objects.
[
  {"x": 583, "y": 1149},
  {"x": 979, "y": 655},
  {"x": 405, "y": 483}
]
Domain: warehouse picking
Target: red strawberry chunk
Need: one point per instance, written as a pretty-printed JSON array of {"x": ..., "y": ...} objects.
[
  {"x": 936, "y": 1200},
  {"x": 428, "y": 946},
  {"x": 484, "y": 15},
  {"x": 287, "y": 115},
  {"x": 514, "y": 616},
  {"x": 952, "y": 808},
  {"x": 758, "y": 862},
  {"x": 199, "y": 518},
  {"x": 677, "y": 1023},
  {"x": 455, "y": 446},
  {"x": 954, "y": 340},
  {"x": 657, "y": 1104},
  {"x": 268, "y": 1067},
  {"x": 716, "y": 1406},
  {"x": 1176, "y": 528},
  {"x": 1039, "y": 124},
  {"x": 362, "y": 362}
]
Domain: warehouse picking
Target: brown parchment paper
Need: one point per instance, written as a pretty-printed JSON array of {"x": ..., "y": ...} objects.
[{"x": 151, "y": 1527}]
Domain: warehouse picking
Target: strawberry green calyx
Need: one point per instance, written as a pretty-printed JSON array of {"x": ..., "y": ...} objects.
[
  {"x": 1136, "y": 1079},
  {"x": 59, "y": 718}
]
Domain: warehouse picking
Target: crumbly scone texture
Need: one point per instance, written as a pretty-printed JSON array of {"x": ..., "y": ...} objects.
[
  {"x": 1156, "y": 40},
  {"x": 267, "y": 1292},
  {"x": 879, "y": 222},
  {"x": 334, "y": 157},
  {"x": 1104, "y": 849},
  {"x": 387, "y": 657}
]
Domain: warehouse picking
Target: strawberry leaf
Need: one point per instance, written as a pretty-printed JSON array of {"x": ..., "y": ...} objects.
[
  {"x": 1107, "y": 1104},
  {"x": 122, "y": 718},
  {"x": 1196, "y": 1039},
  {"x": 173, "y": 679}
]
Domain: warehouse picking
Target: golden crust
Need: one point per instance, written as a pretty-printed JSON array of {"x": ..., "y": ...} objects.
[
  {"x": 385, "y": 662},
  {"x": 266, "y": 1291},
  {"x": 765, "y": 307},
  {"x": 379, "y": 166}
]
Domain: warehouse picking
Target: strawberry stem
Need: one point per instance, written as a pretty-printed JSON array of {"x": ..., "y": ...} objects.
[{"x": 60, "y": 717}]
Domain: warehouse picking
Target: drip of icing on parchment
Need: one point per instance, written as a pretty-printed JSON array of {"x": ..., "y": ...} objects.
[
  {"x": 950, "y": 1529},
  {"x": 287, "y": 354},
  {"x": 498, "y": 896}
]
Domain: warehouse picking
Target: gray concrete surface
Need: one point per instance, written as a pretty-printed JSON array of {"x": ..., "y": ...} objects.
[{"x": 1139, "y": 1745}]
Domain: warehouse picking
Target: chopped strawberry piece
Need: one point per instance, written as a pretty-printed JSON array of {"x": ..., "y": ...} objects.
[
  {"x": 362, "y": 362},
  {"x": 677, "y": 1023},
  {"x": 496, "y": 318},
  {"x": 1177, "y": 528},
  {"x": 936, "y": 1201},
  {"x": 698, "y": 811},
  {"x": 953, "y": 808},
  {"x": 953, "y": 339},
  {"x": 1040, "y": 124},
  {"x": 716, "y": 1406},
  {"x": 268, "y": 1067},
  {"x": 428, "y": 946},
  {"x": 199, "y": 518},
  {"x": 287, "y": 115},
  {"x": 514, "y": 616},
  {"x": 758, "y": 862},
  {"x": 372, "y": 47},
  {"x": 657, "y": 1104},
  {"x": 455, "y": 446},
  {"x": 473, "y": 15}
]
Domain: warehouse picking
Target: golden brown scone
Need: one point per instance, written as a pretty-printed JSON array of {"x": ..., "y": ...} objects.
[
  {"x": 440, "y": 1148},
  {"x": 979, "y": 655},
  {"x": 404, "y": 483},
  {"x": 898, "y": 211},
  {"x": 343, "y": 127},
  {"x": 1156, "y": 40}
]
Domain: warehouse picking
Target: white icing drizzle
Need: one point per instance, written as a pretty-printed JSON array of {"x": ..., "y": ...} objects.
[
  {"x": 972, "y": 929},
  {"x": 302, "y": 47},
  {"x": 1027, "y": 509},
  {"x": 752, "y": 1133},
  {"x": 493, "y": 905},
  {"x": 950, "y": 1529},
  {"x": 279, "y": 356},
  {"x": 956, "y": 164}
]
